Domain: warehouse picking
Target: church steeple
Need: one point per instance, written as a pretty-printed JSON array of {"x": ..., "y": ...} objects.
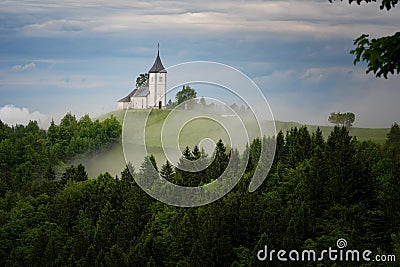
[{"x": 157, "y": 66}]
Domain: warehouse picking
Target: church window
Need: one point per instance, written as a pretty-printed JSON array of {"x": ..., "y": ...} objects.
[{"x": 160, "y": 79}]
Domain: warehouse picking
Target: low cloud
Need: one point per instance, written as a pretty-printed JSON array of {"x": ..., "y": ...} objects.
[
  {"x": 13, "y": 115},
  {"x": 24, "y": 67}
]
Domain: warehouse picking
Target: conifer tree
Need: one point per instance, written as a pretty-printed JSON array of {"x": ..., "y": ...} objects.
[
  {"x": 280, "y": 150},
  {"x": 339, "y": 151},
  {"x": 153, "y": 161},
  {"x": 220, "y": 160},
  {"x": 167, "y": 171},
  {"x": 196, "y": 153}
]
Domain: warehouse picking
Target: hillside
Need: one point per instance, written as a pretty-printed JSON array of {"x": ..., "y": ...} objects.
[
  {"x": 112, "y": 159},
  {"x": 377, "y": 135}
]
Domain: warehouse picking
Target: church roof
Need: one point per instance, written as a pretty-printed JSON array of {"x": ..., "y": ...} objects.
[
  {"x": 128, "y": 97},
  {"x": 138, "y": 92},
  {"x": 142, "y": 91},
  {"x": 157, "y": 66}
]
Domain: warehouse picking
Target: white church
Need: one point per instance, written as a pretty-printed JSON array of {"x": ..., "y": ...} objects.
[{"x": 149, "y": 95}]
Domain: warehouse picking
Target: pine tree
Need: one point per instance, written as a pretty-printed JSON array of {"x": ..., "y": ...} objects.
[
  {"x": 317, "y": 177},
  {"x": 52, "y": 133},
  {"x": 187, "y": 154},
  {"x": 167, "y": 171},
  {"x": 299, "y": 144},
  {"x": 220, "y": 162},
  {"x": 147, "y": 169},
  {"x": 127, "y": 178},
  {"x": 196, "y": 153},
  {"x": 340, "y": 149},
  {"x": 254, "y": 154},
  {"x": 182, "y": 176},
  {"x": 153, "y": 161},
  {"x": 317, "y": 139},
  {"x": 280, "y": 150}
]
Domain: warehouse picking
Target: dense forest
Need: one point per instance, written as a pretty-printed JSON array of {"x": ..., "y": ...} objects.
[{"x": 316, "y": 192}]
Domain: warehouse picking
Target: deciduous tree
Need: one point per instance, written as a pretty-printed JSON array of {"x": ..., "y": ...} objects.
[
  {"x": 185, "y": 94},
  {"x": 142, "y": 79},
  {"x": 342, "y": 119}
]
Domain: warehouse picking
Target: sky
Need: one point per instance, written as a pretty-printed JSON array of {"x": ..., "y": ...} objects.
[{"x": 83, "y": 56}]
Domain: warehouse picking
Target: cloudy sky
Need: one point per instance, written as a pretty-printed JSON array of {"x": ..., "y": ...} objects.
[{"x": 82, "y": 56}]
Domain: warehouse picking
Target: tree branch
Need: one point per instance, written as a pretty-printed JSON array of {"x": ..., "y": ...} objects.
[
  {"x": 382, "y": 55},
  {"x": 388, "y": 4}
]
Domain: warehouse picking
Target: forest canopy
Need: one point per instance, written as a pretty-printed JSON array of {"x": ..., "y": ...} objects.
[
  {"x": 318, "y": 190},
  {"x": 28, "y": 153}
]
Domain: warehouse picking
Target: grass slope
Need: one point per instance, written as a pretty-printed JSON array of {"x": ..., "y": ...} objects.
[
  {"x": 374, "y": 134},
  {"x": 112, "y": 160}
]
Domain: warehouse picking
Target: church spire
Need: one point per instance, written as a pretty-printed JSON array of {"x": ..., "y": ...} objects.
[{"x": 157, "y": 66}]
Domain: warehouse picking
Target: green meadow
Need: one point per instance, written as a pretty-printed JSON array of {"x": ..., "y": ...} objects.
[{"x": 112, "y": 159}]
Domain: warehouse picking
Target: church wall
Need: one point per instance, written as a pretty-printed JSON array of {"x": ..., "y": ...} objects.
[
  {"x": 161, "y": 92},
  {"x": 139, "y": 102},
  {"x": 123, "y": 105},
  {"x": 157, "y": 88}
]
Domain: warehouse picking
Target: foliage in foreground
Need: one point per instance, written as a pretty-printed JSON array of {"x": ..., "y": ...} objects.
[{"x": 382, "y": 54}]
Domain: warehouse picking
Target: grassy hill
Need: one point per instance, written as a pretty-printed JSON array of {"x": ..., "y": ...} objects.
[
  {"x": 374, "y": 134},
  {"x": 112, "y": 159}
]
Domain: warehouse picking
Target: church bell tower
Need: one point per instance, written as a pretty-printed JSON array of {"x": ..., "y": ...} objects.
[{"x": 157, "y": 84}]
